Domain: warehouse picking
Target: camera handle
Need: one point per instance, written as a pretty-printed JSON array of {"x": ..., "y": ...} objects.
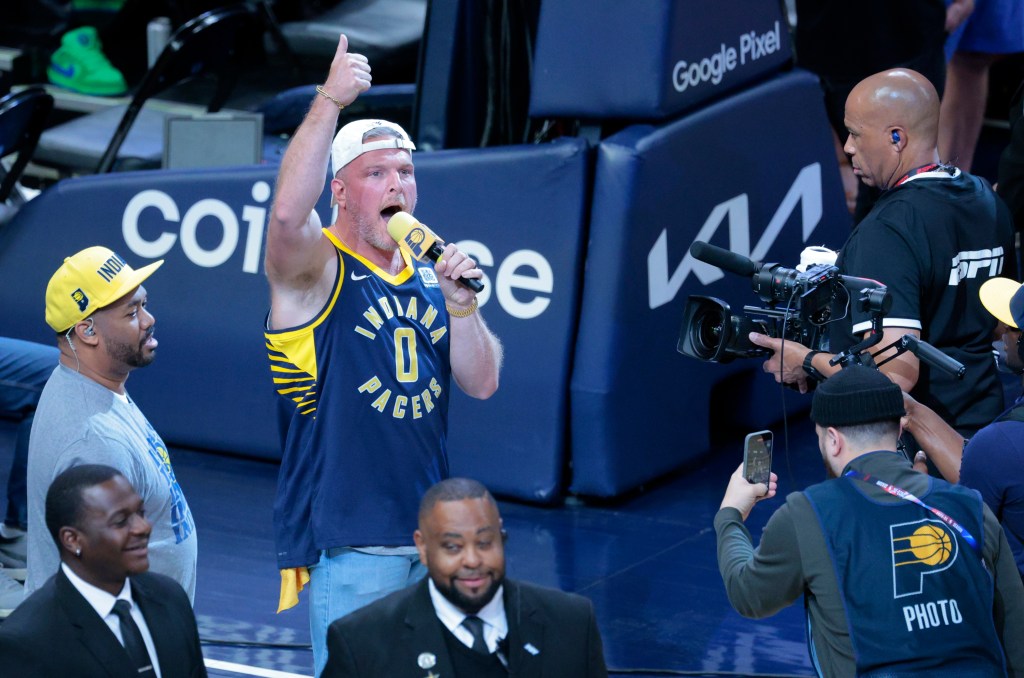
[
  {"x": 926, "y": 353},
  {"x": 858, "y": 353},
  {"x": 875, "y": 299}
]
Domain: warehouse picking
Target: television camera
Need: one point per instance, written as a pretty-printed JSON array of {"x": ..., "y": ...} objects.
[{"x": 798, "y": 306}]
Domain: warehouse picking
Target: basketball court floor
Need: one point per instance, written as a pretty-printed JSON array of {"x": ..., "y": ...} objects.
[{"x": 646, "y": 560}]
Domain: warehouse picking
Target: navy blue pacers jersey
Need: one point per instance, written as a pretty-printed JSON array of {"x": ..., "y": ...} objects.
[
  {"x": 918, "y": 597},
  {"x": 368, "y": 378}
]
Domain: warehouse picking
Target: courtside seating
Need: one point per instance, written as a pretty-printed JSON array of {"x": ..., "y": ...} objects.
[
  {"x": 131, "y": 137},
  {"x": 22, "y": 116}
]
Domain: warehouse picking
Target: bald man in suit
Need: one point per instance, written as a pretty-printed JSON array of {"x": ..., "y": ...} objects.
[{"x": 466, "y": 619}]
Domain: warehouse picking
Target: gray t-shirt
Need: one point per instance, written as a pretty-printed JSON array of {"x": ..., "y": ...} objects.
[{"x": 79, "y": 421}]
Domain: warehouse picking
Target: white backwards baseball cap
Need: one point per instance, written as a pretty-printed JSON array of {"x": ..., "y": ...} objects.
[{"x": 348, "y": 143}]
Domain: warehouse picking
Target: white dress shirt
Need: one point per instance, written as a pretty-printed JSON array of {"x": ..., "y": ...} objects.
[
  {"x": 103, "y": 603},
  {"x": 492, "y": 614}
]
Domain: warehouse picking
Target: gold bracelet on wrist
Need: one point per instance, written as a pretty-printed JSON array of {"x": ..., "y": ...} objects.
[
  {"x": 320, "y": 90},
  {"x": 461, "y": 312}
]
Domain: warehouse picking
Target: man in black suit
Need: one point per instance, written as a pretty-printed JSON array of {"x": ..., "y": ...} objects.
[
  {"x": 102, "y": 614},
  {"x": 466, "y": 619}
]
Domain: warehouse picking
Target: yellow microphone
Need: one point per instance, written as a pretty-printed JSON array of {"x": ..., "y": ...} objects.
[{"x": 422, "y": 243}]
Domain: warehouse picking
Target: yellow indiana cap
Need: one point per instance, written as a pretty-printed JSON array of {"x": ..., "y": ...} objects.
[
  {"x": 1004, "y": 298},
  {"x": 86, "y": 282}
]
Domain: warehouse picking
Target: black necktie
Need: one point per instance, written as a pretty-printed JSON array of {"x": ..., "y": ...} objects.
[
  {"x": 133, "y": 642},
  {"x": 476, "y": 627}
]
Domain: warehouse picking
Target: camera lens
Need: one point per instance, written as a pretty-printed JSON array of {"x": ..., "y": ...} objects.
[{"x": 707, "y": 331}]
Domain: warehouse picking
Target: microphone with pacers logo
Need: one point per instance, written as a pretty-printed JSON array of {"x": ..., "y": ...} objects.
[{"x": 422, "y": 243}]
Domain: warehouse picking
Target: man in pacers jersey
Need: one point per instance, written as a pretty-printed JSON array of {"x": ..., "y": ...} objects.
[
  {"x": 934, "y": 236},
  {"x": 903, "y": 574},
  {"x": 362, "y": 342}
]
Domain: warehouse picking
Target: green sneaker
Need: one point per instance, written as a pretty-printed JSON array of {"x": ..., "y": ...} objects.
[
  {"x": 80, "y": 65},
  {"x": 97, "y": 5}
]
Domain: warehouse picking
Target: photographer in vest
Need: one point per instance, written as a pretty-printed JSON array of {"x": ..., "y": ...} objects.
[{"x": 902, "y": 572}]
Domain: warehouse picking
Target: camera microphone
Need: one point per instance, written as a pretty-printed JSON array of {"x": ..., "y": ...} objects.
[
  {"x": 723, "y": 259},
  {"x": 422, "y": 243}
]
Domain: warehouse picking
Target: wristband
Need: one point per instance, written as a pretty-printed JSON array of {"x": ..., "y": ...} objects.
[
  {"x": 811, "y": 371},
  {"x": 462, "y": 312}
]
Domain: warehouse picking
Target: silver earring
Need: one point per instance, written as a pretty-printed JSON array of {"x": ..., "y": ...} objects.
[{"x": 78, "y": 553}]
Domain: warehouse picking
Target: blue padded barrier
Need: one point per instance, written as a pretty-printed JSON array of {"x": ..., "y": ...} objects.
[
  {"x": 527, "y": 207},
  {"x": 755, "y": 173},
  {"x": 605, "y": 59},
  {"x": 519, "y": 210},
  {"x": 209, "y": 385}
]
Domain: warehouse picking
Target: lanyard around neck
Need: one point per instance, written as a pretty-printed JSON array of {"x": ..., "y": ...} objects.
[
  {"x": 903, "y": 494},
  {"x": 917, "y": 170}
]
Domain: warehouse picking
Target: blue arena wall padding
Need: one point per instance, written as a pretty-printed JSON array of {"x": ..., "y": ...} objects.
[
  {"x": 519, "y": 210},
  {"x": 650, "y": 60},
  {"x": 527, "y": 206},
  {"x": 209, "y": 386},
  {"x": 755, "y": 173}
]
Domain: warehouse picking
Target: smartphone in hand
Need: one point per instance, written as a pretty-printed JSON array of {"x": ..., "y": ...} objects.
[{"x": 757, "y": 457}]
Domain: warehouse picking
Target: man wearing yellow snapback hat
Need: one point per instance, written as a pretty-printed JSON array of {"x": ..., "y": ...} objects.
[{"x": 96, "y": 304}]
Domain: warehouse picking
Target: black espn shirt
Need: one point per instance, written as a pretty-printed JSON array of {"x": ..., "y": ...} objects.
[{"x": 933, "y": 241}]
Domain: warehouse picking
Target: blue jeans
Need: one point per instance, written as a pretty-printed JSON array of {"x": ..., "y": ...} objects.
[
  {"x": 24, "y": 368},
  {"x": 345, "y": 580}
]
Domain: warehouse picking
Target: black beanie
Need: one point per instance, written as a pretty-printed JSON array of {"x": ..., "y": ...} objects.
[{"x": 856, "y": 395}]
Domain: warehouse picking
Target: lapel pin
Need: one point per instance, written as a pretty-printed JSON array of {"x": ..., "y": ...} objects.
[
  {"x": 531, "y": 649},
  {"x": 426, "y": 660}
]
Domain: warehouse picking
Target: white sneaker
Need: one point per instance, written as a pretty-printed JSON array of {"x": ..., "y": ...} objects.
[{"x": 11, "y": 593}]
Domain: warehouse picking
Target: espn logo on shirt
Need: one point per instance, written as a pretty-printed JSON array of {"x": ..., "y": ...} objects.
[{"x": 970, "y": 264}]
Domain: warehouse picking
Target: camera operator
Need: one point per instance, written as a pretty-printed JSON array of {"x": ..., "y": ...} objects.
[
  {"x": 915, "y": 591},
  {"x": 935, "y": 235}
]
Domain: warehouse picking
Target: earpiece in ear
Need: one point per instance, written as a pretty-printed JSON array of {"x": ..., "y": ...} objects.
[
  {"x": 89, "y": 331},
  {"x": 504, "y": 536},
  {"x": 895, "y": 137}
]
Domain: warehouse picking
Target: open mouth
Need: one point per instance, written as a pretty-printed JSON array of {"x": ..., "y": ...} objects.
[{"x": 389, "y": 212}]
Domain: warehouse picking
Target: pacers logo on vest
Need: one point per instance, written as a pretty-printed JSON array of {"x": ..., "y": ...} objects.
[{"x": 920, "y": 548}]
